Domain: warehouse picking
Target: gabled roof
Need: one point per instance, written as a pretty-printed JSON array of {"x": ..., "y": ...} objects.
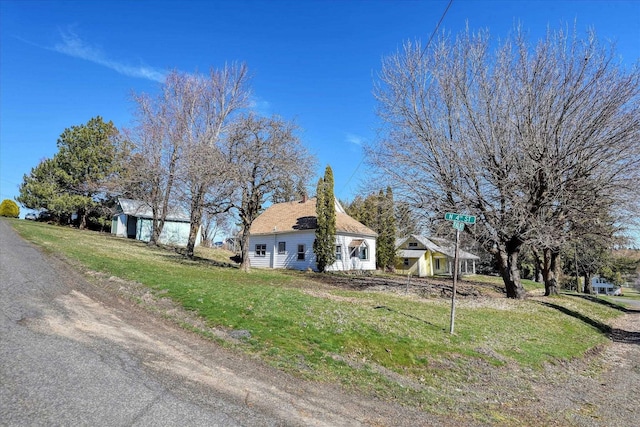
[
  {"x": 301, "y": 215},
  {"x": 142, "y": 209},
  {"x": 437, "y": 244}
]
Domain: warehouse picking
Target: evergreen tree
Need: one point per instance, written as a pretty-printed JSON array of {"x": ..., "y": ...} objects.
[
  {"x": 324, "y": 245},
  {"x": 385, "y": 244},
  {"x": 377, "y": 211},
  {"x": 87, "y": 158},
  {"x": 75, "y": 179},
  {"x": 40, "y": 187}
]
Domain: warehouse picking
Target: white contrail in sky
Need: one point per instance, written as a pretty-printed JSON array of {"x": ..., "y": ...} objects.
[{"x": 73, "y": 45}]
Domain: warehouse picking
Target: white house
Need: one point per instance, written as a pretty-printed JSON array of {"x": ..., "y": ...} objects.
[
  {"x": 431, "y": 256},
  {"x": 134, "y": 219},
  {"x": 283, "y": 235},
  {"x": 601, "y": 286}
]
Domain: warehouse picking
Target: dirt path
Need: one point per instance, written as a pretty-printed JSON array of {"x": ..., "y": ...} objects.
[
  {"x": 601, "y": 390},
  {"x": 97, "y": 311}
]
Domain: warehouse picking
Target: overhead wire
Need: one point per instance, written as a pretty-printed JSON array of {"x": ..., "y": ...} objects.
[{"x": 435, "y": 30}]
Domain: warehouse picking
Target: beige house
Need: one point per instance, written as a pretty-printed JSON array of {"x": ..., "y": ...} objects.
[
  {"x": 283, "y": 235},
  {"x": 430, "y": 256}
]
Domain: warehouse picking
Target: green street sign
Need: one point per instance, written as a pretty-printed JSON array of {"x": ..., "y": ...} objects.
[
  {"x": 468, "y": 219},
  {"x": 458, "y": 225}
]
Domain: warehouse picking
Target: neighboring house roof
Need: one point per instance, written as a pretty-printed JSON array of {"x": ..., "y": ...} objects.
[
  {"x": 301, "y": 215},
  {"x": 411, "y": 253},
  {"x": 142, "y": 209},
  {"x": 434, "y": 244}
]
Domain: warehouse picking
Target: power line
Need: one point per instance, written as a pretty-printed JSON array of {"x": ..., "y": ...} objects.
[
  {"x": 352, "y": 175},
  {"x": 435, "y": 30}
]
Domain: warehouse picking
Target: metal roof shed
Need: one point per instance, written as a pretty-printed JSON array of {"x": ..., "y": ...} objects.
[{"x": 134, "y": 219}]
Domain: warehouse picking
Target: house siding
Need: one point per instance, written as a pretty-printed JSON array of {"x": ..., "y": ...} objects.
[
  {"x": 347, "y": 263},
  {"x": 289, "y": 259},
  {"x": 421, "y": 266},
  {"x": 119, "y": 225},
  {"x": 173, "y": 233},
  {"x": 430, "y": 262}
]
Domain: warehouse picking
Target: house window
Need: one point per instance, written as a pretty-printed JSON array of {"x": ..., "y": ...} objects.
[
  {"x": 300, "y": 252},
  {"x": 406, "y": 262},
  {"x": 261, "y": 250},
  {"x": 437, "y": 263},
  {"x": 338, "y": 253},
  {"x": 364, "y": 252},
  {"x": 358, "y": 249},
  {"x": 413, "y": 244},
  {"x": 282, "y": 247}
]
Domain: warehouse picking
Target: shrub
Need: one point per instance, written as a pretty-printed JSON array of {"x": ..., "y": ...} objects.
[{"x": 9, "y": 208}]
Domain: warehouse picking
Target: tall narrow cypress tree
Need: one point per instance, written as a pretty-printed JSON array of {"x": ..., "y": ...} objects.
[
  {"x": 324, "y": 245},
  {"x": 385, "y": 244}
]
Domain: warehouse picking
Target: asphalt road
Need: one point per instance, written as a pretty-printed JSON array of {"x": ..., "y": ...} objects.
[
  {"x": 632, "y": 304},
  {"x": 52, "y": 375}
]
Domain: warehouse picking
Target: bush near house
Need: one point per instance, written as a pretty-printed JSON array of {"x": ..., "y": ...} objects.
[{"x": 9, "y": 208}]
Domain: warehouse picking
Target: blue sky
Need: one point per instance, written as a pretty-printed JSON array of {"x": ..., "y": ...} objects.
[{"x": 314, "y": 62}]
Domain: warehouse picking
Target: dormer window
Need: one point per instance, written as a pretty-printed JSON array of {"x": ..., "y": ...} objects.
[{"x": 413, "y": 244}]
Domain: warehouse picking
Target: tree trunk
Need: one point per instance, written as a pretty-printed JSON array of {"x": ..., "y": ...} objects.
[
  {"x": 507, "y": 258},
  {"x": 244, "y": 251},
  {"x": 164, "y": 209},
  {"x": 587, "y": 284},
  {"x": 156, "y": 228},
  {"x": 193, "y": 235},
  {"x": 82, "y": 216},
  {"x": 539, "y": 266},
  {"x": 551, "y": 271},
  {"x": 249, "y": 211},
  {"x": 196, "y": 220}
]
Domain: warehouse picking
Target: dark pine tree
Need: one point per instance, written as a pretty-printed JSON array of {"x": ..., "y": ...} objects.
[{"x": 325, "y": 242}]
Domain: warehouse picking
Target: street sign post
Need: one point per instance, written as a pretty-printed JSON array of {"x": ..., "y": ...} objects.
[{"x": 459, "y": 221}]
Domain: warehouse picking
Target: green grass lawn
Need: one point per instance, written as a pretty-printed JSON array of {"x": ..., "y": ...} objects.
[
  {"x": 362, "y": 339},
  {"x": 528, "y": 285}
]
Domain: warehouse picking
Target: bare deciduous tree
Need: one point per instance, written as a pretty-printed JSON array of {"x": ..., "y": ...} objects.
[
  {"x": 531, "y": 139},
  {"x": 177, "y": 153},
  {"x": 262, "y": 154},
  {"x": 215, "y": 102},
  {"x": 215, "y": 225},
  {"x": 157, "y": 148}
]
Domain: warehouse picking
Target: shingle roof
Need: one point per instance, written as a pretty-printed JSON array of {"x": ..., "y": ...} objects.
[
  {"x": 299, "y": 215},
  {"x": 449, "y": 248},
  {"x": 142, "y": 209},
  {"x": 411, "y": 253}
]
